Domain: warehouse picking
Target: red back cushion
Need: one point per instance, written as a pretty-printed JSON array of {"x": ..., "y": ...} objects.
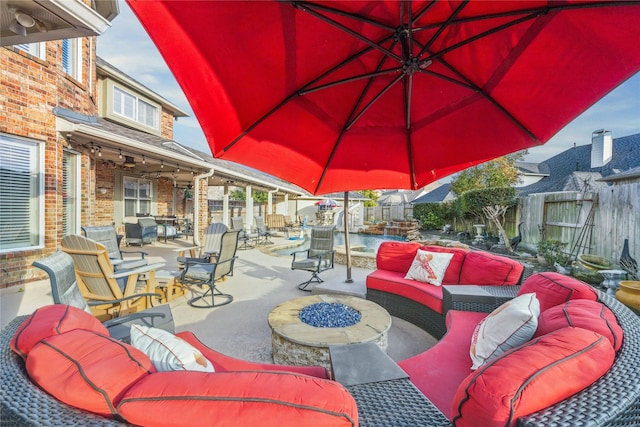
[
  {"x": 486, "y": 269},
  {"x": 452, "y": 275},
  {"x": 554, "y": 288},
  {"x": 581, "y": 313},
  {"x": 396, "y": 256},
  {"x": 86, "y": 370},
  {"x": 531, "y": 377},
  {"x": 52, "y": 320},
  {"x": 278, "y": 399}
]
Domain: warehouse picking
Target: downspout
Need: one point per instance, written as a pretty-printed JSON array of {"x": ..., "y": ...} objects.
[{"x": 196, "y": 206}]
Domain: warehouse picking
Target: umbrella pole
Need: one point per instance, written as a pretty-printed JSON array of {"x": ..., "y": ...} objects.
[{"x": 347, "y": 247}]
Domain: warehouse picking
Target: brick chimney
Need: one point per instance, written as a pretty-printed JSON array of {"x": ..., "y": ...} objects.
[{"x": 601, "y": 148}]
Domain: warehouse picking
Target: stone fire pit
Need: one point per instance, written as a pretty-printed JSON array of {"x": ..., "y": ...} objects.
[{"x": 298, "y": 343}]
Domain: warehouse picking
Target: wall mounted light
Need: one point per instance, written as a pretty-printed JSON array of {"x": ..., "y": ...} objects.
[
  {"x": 120, "y": 153},
  {"x": 144, "y": 160}
]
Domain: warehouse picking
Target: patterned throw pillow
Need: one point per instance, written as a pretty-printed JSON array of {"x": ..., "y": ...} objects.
[
  {"x": 508, "y": 326},
  {"x": 168, "y": 352},
  {"x": 429, "y": 267}
]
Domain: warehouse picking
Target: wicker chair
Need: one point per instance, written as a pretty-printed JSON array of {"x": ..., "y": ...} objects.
[
  {"x": 205, "y": 274},
  {"x": 106, "y": 235},
  {"x": 319, "y": 256},
  {"x": 110, "y": 293},
  {"x": 64, "y": 290}
]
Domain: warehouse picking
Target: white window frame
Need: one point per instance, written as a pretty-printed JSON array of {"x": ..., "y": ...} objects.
[
  {"x": 39, "y": 49},
  {"x": 74, "y": 66},
  {"x": 72, "y": 184},
  {"x": 29, "y": 205},
  {"x": 136, "y": 198},
  {"x": 119, "y": 108}
]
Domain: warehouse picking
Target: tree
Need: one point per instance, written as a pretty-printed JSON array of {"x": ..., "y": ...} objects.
[
  {"x": 500, "y": 172},
  {"x": 371, "y": 195},
  {"x": 237, "y": 194}
]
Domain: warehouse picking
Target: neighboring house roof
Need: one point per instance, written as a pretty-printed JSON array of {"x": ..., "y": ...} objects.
[
  {"x": 570, "y": 169},
  {"x": 630, "y": 174},
  {"x": 530, "y": 168},
  {"x": 435, "y": 196}
]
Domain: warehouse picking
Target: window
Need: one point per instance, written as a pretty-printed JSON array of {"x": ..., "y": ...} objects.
[
  {"x": 71, "y": 58},
  {"x": 137, "y": 196},
  {"x": 36, "y": 49},
  {"x": 21, "y": 189},
  {"x": 70, "y": 194},
  {"x": 134, "y": 108}
]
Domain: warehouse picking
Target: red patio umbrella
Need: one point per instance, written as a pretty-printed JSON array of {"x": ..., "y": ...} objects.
[{"x": 348, "y": 95}]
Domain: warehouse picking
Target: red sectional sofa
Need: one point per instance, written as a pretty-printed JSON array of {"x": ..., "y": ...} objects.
[
  {"x": 69, "y": 354},
  {"x": 575, "y": 344},
  {"x": 422, "y": 303}
]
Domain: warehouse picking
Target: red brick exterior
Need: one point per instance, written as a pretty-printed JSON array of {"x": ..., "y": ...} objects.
[{"x": 31, "y": 88}]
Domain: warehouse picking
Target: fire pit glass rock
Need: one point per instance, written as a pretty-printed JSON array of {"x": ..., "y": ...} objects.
[{"x": 329, "y": 315}]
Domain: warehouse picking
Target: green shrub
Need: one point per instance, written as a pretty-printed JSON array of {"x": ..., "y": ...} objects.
[{"x": 551, "y": 251}]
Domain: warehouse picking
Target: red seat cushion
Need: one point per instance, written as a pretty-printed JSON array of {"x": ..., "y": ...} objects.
[
  {"x": 396, "y": 256},
  {"x": 52, "y": 320},
  {"x": 553, "y": 289},
  {"x": 581, "y": 313},
  {"x": 394, "y": 282},
  {"x": 438, "y": 372},
  {"x": 262, "y": 399},
  {"x": 486, "y": 269},
  {"x": 223, "y": 363},
  {"x": 452, "y": 275},
  {"x": 531, "y": 377},
  {"x": 87, "y": 370}
]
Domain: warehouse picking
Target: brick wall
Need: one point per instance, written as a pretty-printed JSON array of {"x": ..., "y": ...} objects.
[{"x": 32, "y": 87}]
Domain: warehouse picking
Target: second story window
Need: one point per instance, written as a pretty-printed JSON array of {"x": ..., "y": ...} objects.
[
  {"x": 36, "y": 49},
  {"x": 72, "y": 58},
  {"x": 134, "y": 108}
]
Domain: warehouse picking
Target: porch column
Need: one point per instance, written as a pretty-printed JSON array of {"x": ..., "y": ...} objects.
[
  {"x": 270, "y": 194},
  {"x": 286, "y": 203},
  {"x": 225, "y": 205},
  {"x": 248, "y": 221}
]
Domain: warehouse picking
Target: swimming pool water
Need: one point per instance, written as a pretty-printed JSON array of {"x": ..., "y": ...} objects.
[{"x": 371, "y": 242}]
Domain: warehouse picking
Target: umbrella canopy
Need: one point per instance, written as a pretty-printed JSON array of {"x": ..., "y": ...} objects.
[{"x": 348, "y": 95}]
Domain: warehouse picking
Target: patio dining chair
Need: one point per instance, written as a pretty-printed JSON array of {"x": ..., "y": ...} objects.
[
  {"x": 247, "y": 238},
  {"x": 208, "y": 251},
  {"x": 264, "y": 234},
  {"x": 319, "y": 256},
  {"x": 206, "y": 274},
  {"x": 110, "y": 293},
  {"x": 106, "y": 235},
  {"x": 65, "y": 290}
]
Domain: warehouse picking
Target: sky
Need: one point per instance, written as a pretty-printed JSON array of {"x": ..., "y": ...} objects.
[{"x": 127, "y": 46}]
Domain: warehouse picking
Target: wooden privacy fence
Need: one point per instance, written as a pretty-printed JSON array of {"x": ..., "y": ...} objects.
[{"x": 595, "y": 223}]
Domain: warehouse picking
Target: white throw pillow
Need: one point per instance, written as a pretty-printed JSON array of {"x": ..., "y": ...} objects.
[
  {"x": 167, "y": 351},
  {"x": 510, "y": 325},
  {"x": 429, "y": 267}
]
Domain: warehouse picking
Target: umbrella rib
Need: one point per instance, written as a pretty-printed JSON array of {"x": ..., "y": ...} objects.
[
  {"x": 342, "y": 13},
  {"x": 370, "y": 103},
  {"x": 407, "y": 85},
  {"x": 442, "y": 27},
  {"x": 349, "y": 80},
  {"x": 296, "y": 93},
  {"x": 347, "y": 30},
  {"x": 344, "y": 129},
  {"x": 545, "y": 9}
]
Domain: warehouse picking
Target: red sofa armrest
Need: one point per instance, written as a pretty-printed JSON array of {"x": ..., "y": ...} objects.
[{"x": 222, "y": 363}]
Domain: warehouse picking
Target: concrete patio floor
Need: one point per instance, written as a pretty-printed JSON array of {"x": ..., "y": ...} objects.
[{"x": 261, "y": 281}]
